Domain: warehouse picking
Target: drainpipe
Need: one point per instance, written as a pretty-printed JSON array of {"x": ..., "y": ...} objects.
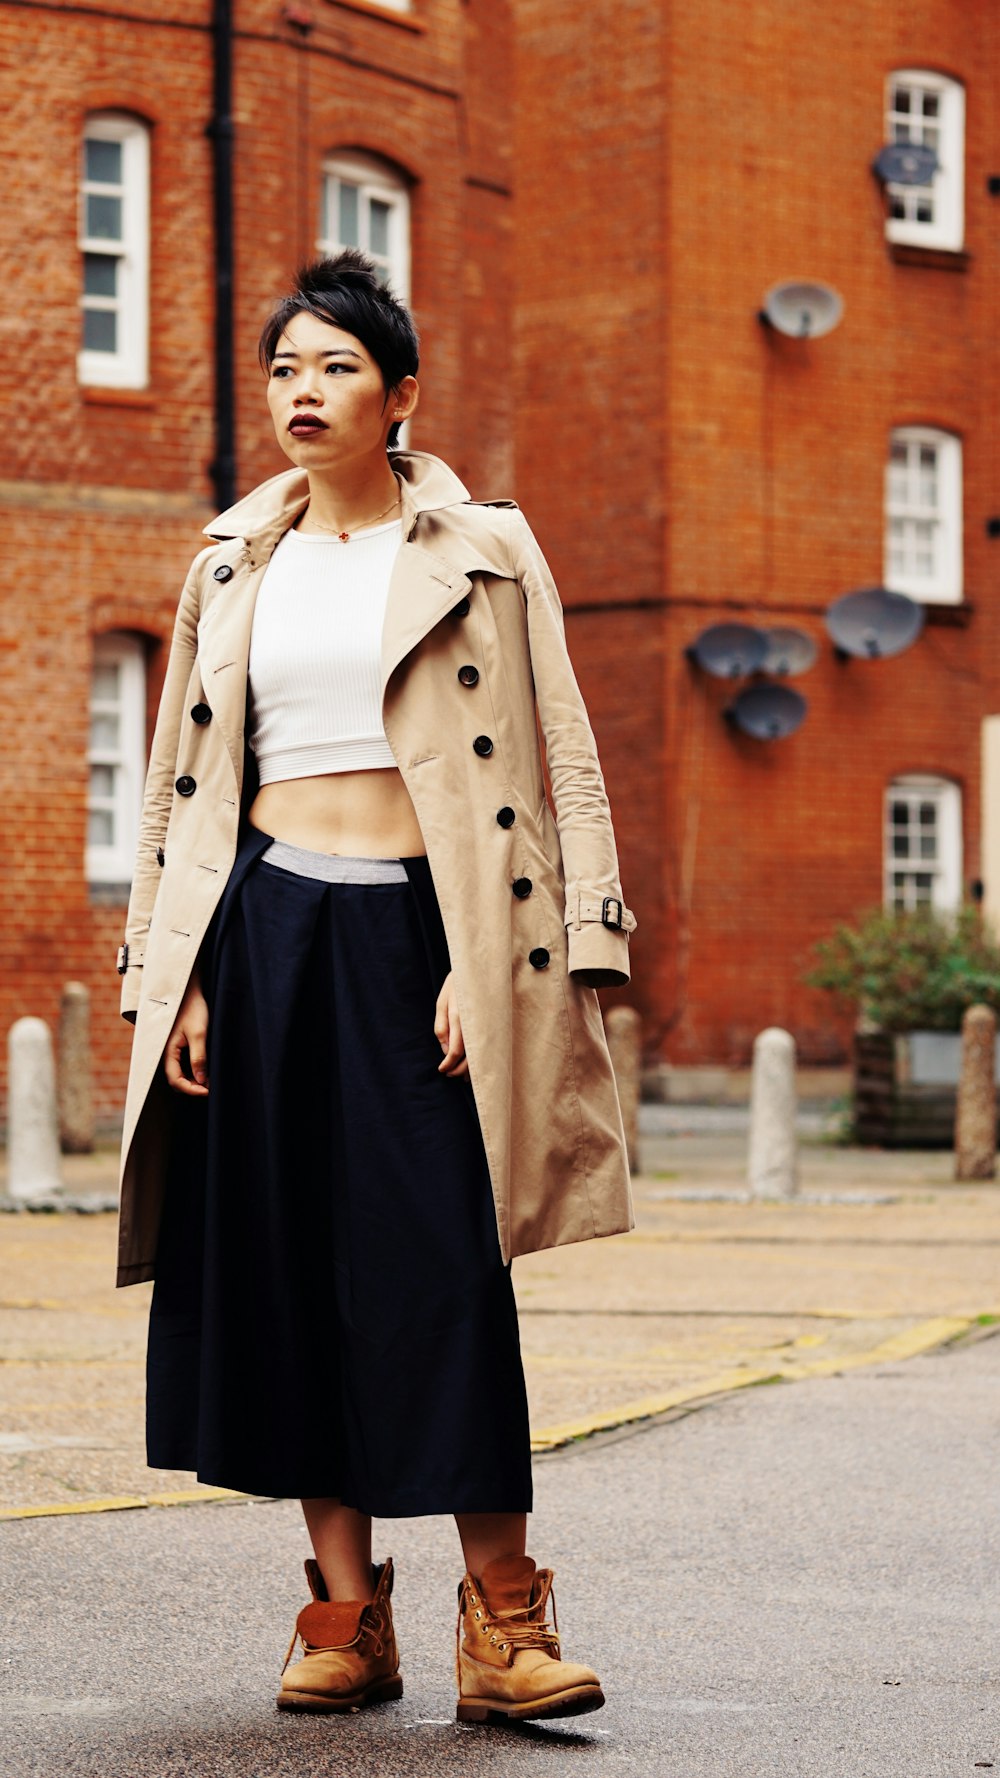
[{"x": 220, "y": 133}]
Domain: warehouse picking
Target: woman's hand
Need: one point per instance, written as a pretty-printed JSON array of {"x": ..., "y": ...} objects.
[
  {"x": 448, "y": 1030},
  {"x": 190, "y": 1034}
]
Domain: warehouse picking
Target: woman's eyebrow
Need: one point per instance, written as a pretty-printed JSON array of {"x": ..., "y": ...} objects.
[{"x": 334, "y": 352}]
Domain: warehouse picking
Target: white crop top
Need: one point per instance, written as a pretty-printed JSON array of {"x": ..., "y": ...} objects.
[{"x": 315, "y": 655}]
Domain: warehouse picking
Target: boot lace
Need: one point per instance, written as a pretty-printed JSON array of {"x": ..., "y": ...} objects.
[{"x": 520, "y": 1627}]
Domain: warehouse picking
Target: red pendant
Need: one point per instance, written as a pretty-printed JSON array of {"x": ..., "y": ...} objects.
[{"x": 344, "y": 536}]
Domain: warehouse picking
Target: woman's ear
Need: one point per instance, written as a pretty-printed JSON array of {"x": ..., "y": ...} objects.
[{"x": 404, "y": 399}]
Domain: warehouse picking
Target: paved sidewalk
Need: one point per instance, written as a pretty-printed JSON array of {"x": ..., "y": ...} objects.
[{"x": 881, "y": 1257}]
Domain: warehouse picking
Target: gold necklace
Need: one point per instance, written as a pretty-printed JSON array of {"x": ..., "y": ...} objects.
[{"x": 345, "y": 536}]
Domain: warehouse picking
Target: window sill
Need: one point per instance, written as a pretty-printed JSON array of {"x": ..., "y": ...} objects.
[
  {"x": 105, "y": 395},
  {"x": 948, "y": 616},
  {"x": 388, "y": 14},
  {"x": 109, "y": 895},
  {"x": 939, "y": 259}
]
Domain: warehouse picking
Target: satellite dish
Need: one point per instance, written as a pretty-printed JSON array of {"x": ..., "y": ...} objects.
[
  {"x": 874, "y": 623},
  {"x": 788, "y": 651},
  {"x": 728, "y": 650},
  {"x": 906, "y": 163},
  {"x": 768, "y": 712},
  {"x": 802, "y": 310}
]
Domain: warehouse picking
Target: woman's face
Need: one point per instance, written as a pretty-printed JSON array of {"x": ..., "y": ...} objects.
[{"x": 326, "y": 396}]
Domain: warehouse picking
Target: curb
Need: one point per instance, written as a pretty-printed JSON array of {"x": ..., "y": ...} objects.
[
  {"x": 914, "y": 1340},
  {"x": 925, "y": 1337}
]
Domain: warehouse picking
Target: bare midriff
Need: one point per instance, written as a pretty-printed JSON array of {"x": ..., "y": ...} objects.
[{"x": 365, "y": 814}]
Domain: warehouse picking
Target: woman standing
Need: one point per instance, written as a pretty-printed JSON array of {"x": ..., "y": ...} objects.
[{"x": 369, "y": 1065}]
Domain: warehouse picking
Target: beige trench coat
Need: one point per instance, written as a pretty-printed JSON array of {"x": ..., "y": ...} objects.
[{"x": 470, "y": 585}]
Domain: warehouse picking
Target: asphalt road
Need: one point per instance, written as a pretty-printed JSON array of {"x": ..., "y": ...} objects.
[{"x": 797, "y": 1582}]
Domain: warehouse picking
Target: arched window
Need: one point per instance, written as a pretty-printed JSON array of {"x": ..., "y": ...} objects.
[
  {"x": 928, "y": 108},
  {"x": 365, "y": 204},
  {"x": 114, "y": 242},
  {"x": 117, "y": 756},
  {"x": 923, "y": 514},
  {"x": 923, "y": 843}
]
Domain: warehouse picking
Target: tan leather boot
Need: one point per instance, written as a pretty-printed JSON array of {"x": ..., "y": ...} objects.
[
  {"x": 507, "y": 1663},
  {"x": 349, "y": 1649}
]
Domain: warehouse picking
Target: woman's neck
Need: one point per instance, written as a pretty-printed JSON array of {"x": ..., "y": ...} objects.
[{"x": 355, "y": 497}]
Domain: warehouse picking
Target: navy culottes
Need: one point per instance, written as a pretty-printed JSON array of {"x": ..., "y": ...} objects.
[{"x": 331, "y": 1313}]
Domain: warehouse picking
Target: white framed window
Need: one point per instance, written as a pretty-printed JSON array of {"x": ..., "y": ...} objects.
[
  {"x": 114, "y": 244},
  {"x": 928, "y": 108},
  {"x": 365, "y": 204},
  {"x": 923, "y": 515},
  {"x": 923, "y": 844},
  {"x": 117, "y": 756}
]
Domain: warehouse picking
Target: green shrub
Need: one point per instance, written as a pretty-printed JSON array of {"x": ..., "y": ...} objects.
[{"x": 909, "y": 972}]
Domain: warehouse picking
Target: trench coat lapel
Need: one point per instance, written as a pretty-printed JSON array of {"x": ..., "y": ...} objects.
[{"x": 422, "y": 589}]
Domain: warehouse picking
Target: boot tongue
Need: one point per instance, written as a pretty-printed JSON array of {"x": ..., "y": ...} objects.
[
  {"x": 507, "y": 1582},
  {"x": 314, "y": 1575}
]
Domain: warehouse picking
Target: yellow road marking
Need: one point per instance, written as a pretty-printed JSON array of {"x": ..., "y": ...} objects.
[
  {"x": 118, "y": 1503},
  {"x": 923, "y": 1337}
]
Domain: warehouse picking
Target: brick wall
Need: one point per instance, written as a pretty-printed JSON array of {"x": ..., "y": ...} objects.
[{"x": 683, "y": 466}]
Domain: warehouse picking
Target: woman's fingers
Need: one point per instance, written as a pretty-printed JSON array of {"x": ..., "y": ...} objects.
[
  {"x": 448, "y": 1031},
  {"x": 188, "y": 1042}
]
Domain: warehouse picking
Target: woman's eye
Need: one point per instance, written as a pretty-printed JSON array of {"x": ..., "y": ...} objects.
[
  {"x": 336, "y": 367},
  {"x": 279, "y": 370}
]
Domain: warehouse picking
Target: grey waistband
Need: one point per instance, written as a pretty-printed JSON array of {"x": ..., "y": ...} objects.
[{"x": 333, "y": 867}]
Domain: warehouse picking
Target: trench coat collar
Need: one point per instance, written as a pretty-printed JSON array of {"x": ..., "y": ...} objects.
[{"x": 262, "y": 517}]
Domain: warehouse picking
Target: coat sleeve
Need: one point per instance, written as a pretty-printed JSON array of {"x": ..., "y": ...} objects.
[
  {"x": 159, "y": 791},
  {"x": 597, "y": 921}
]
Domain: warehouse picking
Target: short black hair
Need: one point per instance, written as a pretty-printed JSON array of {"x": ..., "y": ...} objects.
[{"x": 346, "y": 291}]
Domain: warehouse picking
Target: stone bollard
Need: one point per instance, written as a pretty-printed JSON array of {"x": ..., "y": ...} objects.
[
  {"x": 976, "y": 1114},
  {"x": 76, "y": 1098},
  {"x": 772, "y": 1168},
  {"x": 32, "y": 1130},
  {"x": 624, "y": 1033}
]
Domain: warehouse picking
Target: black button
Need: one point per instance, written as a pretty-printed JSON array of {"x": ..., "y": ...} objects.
[
  {"x": 483, "y": 745},
  {"x": 201, "y": 713},
  {"x": 223, "y": 573},
  {"x": 539, "y": 958},
  {"x": 506, "y": 817},
  {"x": 469, "y": 675},
  {"x": 160, "y": 856},
  {"x": 521, "y": 886},
  {"x": 185, "y": 786},
  {"x": 461, "y": 609}
]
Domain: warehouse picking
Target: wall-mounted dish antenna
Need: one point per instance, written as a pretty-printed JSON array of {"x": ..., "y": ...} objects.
[
  {"x": 788, "y": 651},
  {"x": 906, "y": 163},
  {"x": 768, "y": 712},
  {"x": 802, "y": 310},
  {"x": 874, "y": 623},
  {"x": 730, "y": 651}
]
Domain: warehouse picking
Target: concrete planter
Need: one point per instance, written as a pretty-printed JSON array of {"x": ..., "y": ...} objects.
[{"x": 905, "y": 1087}]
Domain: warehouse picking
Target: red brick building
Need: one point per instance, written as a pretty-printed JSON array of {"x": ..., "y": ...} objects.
[
  {"x": 586, "y": 205},
  {"x": 351, "y": 121},
  {"x": 685, "y": 464}
]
